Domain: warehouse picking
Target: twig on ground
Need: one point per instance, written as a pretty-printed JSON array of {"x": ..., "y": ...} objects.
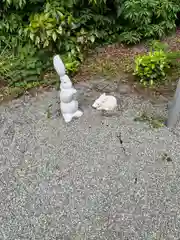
[{"x": 121, "y": 142}]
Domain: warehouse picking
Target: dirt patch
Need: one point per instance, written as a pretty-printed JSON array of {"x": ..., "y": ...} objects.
[
  {"x": 110, "y": 61},
  {"x": 174, "y": 40},
  {"x": 117, "y": 62},
  {"x": 8, "y": 93},
  {"x": 2, "y": 84}
]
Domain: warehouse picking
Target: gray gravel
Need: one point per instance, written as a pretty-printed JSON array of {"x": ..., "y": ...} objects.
[{"x": 99, "y": 177}]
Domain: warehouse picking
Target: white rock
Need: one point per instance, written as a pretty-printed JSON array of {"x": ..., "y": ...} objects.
[{"x": 105, "y": 102}]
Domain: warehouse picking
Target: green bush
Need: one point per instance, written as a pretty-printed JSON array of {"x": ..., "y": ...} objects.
[
  {"x": 151, "y": 68},
  {"x": 71, "y": 27},
  {"x": 148, "y": 19},
  {"x": 51, "y": 21},
  {"x": 56, "y": 29},
  {"x": 27, "y": 65}
]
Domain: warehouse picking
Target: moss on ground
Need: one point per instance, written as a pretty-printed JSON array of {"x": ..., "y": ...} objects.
[
  {"x": 153, "y": 121},
  {"x": 10, "y": 92}
]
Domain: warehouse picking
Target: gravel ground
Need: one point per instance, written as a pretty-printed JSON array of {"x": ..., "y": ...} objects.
[{"x": 99, "y": 177}]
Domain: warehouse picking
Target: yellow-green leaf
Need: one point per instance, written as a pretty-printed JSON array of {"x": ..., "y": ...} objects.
[
  {"x": 31, "y": 36},
  {"x": 46, "y": 43},
  {"x": 37, "y": 41},
  {"x": 54, "y": 36}
]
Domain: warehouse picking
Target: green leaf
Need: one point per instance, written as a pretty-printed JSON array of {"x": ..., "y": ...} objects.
[
  {"x": 69, "y": 19},
  {"x": 32, "y": 36},
  {"x": 49, "y": 32},
  {"x": 92, "y": 38},
  {"x": 46, "y": 43},
  {"x": 37, "y": 41},
  {"x": 54, "y": 36},
  {"x": 59, "y": 30}
]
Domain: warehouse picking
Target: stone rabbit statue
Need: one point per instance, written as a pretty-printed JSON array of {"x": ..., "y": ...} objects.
[{"x": 69, "y": 106}]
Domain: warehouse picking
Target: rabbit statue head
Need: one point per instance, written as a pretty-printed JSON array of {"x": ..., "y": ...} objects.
[{"x": 65, "y": 82}]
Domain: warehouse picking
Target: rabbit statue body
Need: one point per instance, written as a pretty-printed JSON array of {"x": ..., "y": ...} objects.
[{"x": 69, "y": 106}]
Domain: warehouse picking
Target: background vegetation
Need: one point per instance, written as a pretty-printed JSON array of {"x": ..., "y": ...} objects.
[{"x": 31, "y": 31}]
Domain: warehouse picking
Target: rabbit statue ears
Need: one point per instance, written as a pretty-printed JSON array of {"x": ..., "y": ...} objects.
[{"x": 59, "y": 66}]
